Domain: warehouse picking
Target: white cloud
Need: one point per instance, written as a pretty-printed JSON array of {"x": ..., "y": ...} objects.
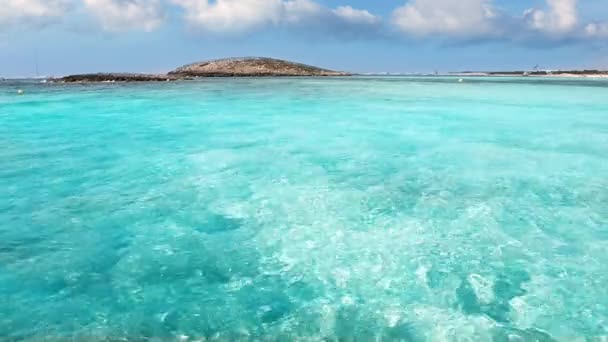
[
  {"x": 355, "y": 15},
  {"x": 231, "y": 15},
  {"x": 447, "y": 17},
  {"x": 119, "y": 15},
  {"x": 31, "y": 11},
  {"x": 597, "y": 30},
  {"x": 557, "y": 20},
  {"x": 561, "y": 17},
  {"x": 301, "y": 11},
  {"x": 241, "y": 15}
]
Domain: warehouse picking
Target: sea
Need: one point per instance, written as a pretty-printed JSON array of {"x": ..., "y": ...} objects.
[{"x": 309, "y": 209}]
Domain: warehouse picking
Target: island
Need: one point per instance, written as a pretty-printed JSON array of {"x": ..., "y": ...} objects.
[
  {"x": 252, "y": 66},
  {"x": 228, "y": 67}
]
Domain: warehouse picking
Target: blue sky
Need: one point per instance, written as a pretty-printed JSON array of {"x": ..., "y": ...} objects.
[{"x": 75, "y": 36}]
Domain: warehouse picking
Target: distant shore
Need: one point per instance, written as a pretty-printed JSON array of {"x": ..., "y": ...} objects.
[
  {"x": 574, "y": 75},
  {"x": 172, "y": 76},
  {"x": 553, "y": 74}
]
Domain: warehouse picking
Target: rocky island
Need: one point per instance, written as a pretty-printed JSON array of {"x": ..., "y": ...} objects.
[
  {"x": 255, "y": 66},
  {"x": 229, "y": 67}
]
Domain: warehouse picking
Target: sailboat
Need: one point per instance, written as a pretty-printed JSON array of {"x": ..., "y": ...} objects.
[{"x": 43, "y": 79}]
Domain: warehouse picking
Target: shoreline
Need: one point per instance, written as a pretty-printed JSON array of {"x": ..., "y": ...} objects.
[
  {"x": 550, "y": 74},
  {"x": 542, "y": 76},
  {"x": 143, "y": 78}
]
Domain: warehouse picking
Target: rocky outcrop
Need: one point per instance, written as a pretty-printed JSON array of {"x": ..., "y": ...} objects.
[
  {"x": 229, "y": 67},
  {"x": 251, "y": 67},
  {"x": 117, "y": 77}
]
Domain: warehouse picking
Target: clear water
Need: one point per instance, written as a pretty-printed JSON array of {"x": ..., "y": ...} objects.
[{"x": 378, "y": 208}]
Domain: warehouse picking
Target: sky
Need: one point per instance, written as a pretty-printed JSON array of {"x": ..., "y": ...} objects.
[{"x": 60, "y": 37}]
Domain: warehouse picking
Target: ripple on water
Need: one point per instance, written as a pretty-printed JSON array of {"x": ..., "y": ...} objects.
[{"x": 360, "y": 208}]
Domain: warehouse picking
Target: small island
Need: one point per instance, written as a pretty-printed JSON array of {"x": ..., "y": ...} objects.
[
  {"x": 252, "y": 66},
  {"x": 228, "y": 67}
]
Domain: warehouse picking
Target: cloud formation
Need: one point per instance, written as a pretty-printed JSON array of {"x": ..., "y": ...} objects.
[
  {"x": 233, "y": 16},
  {"x": 472, "y": 19},
  {"x": 119, "y": 15},
  {"x": 557, "y": 20},
  {"x": 35, "y": 12},
  {"x": 467, "y": 18},
  {"x": 560, "y": 17},
  {"x": 353, "y": 15},
  {"x": 597, "y": 30}
]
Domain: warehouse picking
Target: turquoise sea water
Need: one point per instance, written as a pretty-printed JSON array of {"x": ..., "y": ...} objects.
[{"x": 417, "y": 209}]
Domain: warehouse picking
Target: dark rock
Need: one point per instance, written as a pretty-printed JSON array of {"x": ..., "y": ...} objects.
[{"x": 117, "y": 77}]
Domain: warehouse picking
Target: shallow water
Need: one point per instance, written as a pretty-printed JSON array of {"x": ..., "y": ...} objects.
[{"x": 394, "y": 208}]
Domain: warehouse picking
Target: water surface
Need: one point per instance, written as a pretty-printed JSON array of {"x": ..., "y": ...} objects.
[{"x": 418, "y": 209}]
